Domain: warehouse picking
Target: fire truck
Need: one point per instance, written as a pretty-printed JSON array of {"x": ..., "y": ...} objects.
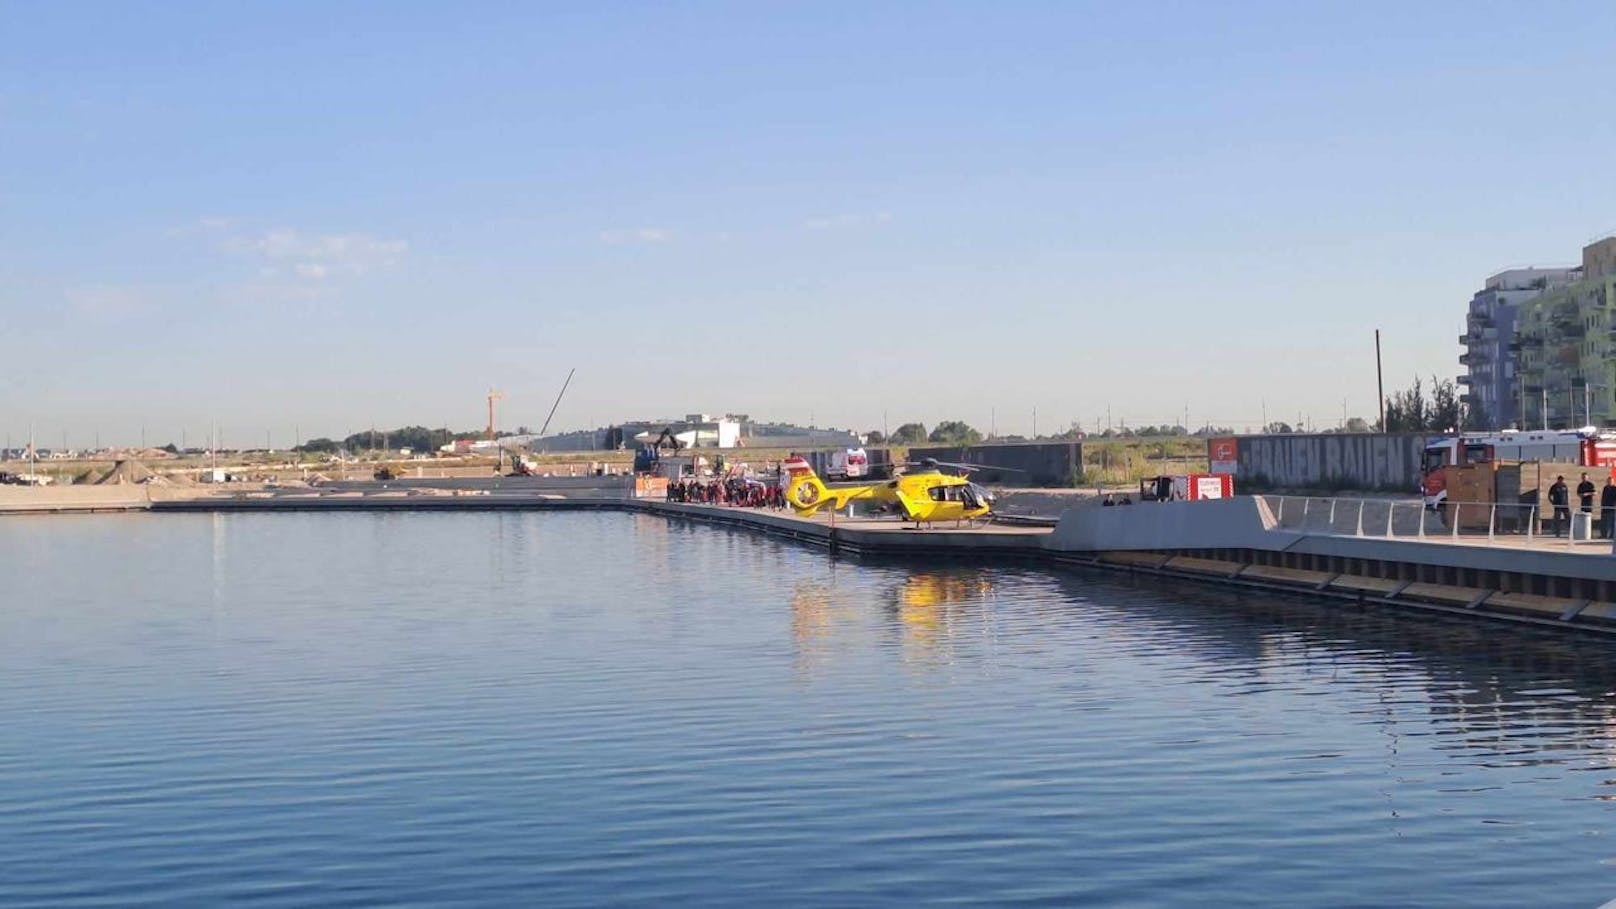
[{"x": 1586, "y": 447}]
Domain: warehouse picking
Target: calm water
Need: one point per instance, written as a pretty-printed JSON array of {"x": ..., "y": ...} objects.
[{"x": 591, "y": 709}]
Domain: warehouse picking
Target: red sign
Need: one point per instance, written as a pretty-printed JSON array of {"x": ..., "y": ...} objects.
[{"x": 1223, "y": 454}]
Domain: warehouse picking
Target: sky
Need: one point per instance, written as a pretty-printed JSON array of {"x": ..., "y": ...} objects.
[{"x": 303, "y": 219}]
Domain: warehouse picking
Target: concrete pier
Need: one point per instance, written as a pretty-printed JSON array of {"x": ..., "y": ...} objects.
[{"x": 1234, "y": 542}]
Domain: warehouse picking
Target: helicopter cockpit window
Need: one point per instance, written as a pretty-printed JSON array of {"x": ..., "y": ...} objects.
[{"x": 937, "y": 493}]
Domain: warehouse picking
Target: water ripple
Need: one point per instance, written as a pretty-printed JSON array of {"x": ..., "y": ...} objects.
[{"x": 585, "y": 710}]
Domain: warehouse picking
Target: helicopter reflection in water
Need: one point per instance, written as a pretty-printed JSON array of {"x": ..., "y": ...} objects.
[
  {"x": 932, "y": 606},
  {"x": 929, "y": 607}
]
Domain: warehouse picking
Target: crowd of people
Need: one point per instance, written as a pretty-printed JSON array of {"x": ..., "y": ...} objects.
[{"x": 741, "y": 492}]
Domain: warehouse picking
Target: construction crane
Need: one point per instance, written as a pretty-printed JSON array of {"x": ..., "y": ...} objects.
[{"x": 546, "y": 426}]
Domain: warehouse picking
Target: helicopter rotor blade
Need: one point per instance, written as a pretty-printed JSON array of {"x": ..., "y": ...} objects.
[{"x": 963, "y": 466}]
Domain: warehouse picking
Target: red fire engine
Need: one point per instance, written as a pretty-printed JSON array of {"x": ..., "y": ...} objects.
[{"x": 1584, "y": 447}]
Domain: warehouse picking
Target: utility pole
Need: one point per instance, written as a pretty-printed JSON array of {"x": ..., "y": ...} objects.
[
  {"x": 1380, "y": 383},
  {"x": 1545, "y": 403},
  {"x": 1035, "y": 422}
]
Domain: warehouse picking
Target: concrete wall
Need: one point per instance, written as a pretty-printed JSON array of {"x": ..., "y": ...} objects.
[
  {"x": 74, "y": 498},
  {"x": 1389, "y": 461},
  {"x": 1243, "y": 522},
  {"x": 1031, "y": 463}
]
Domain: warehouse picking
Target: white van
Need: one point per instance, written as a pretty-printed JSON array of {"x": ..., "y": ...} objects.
[{"x": 848, "y": 464}]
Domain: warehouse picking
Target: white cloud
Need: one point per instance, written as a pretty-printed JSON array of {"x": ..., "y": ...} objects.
[
  {"x": 636, "y": 235},
  {"x": 848, "y": 220},
  {"x": 316, "y": 257}
]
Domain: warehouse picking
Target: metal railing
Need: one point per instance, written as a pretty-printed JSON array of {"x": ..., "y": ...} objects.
[{"x": 1522, "y": 523}]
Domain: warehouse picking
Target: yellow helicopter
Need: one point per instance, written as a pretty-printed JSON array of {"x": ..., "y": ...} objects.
[{"x": 923, "y": 494}]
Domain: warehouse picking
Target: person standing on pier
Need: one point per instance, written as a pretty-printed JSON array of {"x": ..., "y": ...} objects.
[
  {"x": 1607, "y": 508},
  {"x": 1585, "y": 492},
  {"x": 1560, "y": 500}
]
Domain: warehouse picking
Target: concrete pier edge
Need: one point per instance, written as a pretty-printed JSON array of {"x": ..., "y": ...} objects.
[{"x": 1232, "y": 545}]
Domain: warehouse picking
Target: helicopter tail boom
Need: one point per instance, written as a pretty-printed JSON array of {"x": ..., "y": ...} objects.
[{"x": 807, "y": 494}]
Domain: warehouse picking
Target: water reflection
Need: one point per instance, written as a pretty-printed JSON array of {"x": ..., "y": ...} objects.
[
  {"x": 572, "y": 705},
  {"x": 1483, "y": 691},
  {"x": 1512, "y": 694},
  {"x": 932, "y": 609}
]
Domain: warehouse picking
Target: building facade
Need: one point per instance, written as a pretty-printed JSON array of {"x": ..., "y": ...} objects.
[
  {"x": 1489, "y": 377},
  {"x": 1565, "y": 347}
]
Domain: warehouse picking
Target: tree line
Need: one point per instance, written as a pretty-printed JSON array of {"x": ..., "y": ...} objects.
[
  {"x": 1440, "y": 410},
  {"x": 958, "y": 433},
  {"x": 415, "y": 438}
]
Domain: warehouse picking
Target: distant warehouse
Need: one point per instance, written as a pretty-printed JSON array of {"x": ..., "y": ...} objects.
[{"x": 1028, "y": 463}]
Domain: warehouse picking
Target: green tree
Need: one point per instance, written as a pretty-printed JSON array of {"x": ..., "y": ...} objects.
[
  {"x": 1446, "y": 412},
  {"x": 1278, "y": 428},
  {"x": 1070, "y": 434},
  {"x": 909, "y": 434},
  {"x": 1411, "y": 410},
  {"x": 954, "y": 432},
  {"x": 875, "y": 437},
  {"x": 1407, "y": 411},
  {"x": 318, "y": 446}
]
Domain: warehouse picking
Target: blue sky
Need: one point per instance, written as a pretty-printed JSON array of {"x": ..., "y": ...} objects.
[{"x": 323, "y": 216}]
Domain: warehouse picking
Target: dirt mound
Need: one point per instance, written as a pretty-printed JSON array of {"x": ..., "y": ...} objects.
[{"x": 126, "y": 471}]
